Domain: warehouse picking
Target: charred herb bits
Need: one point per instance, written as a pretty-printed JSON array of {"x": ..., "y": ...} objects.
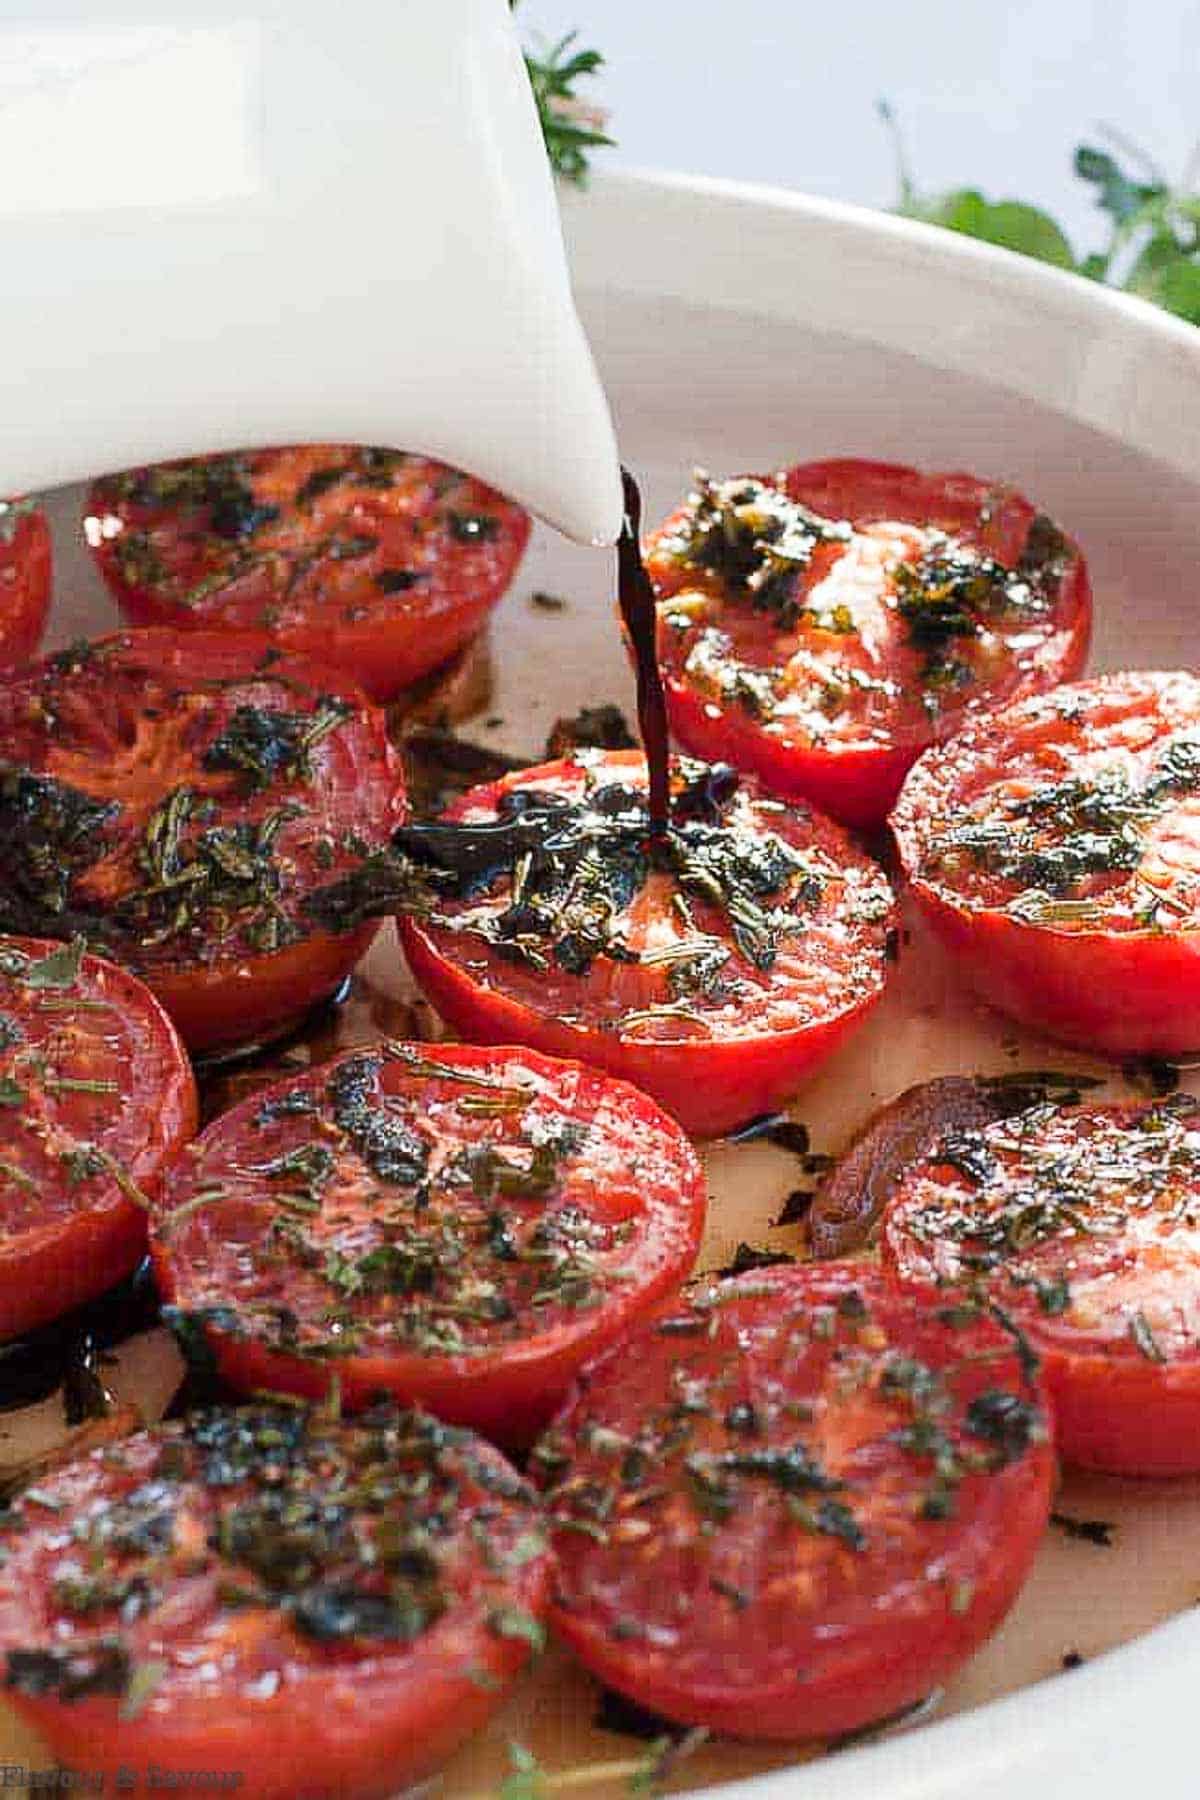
[
  {"x": 1082, "y": 1225},
  {"x": 377, "y": 562},
  {"x": 796, "y": 1504},
  {"x": 173, "y": 798},
  {"x": 454, "y": 1226},
  {"x": 821, "y": 626},
  {"x": 333, "y": 1607},
  {"x": 95, "y": 1096},
  {"x": 1055, "y": 847},
  {"x": 715, "y": 967}
]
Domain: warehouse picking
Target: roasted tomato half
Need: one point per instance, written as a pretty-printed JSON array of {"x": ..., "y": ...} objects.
[
  {"x": 377, "y": 562},
  {"x": 457, "y": 1227},
  {"x": 174, "y": 797},
  {"x": 1083, "y": 1224},
  {"x": 795, "y": 1505},
  {"x": 822, "y": 627},
  {"x": 1055, "y": 848},
  {"x": 96, "y": 1093},
  {"x": 312, "y": 1610},
  {"x": 25, "y": 563},
  {"x": 715, "y": 967}
]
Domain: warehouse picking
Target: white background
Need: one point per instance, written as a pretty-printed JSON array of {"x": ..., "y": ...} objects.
[{"x": 991, "y": 93}]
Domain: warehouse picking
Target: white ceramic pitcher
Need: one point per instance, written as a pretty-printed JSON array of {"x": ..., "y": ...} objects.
[{"x": 238, "y": 222}]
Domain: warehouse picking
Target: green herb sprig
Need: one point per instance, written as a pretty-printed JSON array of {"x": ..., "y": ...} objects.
[
  {"x": 1153, "y": 224},
  {"x": 572, "y": 126},
  {"x": 644, "y": 1774}
]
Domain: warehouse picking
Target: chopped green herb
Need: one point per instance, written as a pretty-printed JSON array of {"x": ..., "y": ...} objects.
[
  {"x": 602, "y": 727},
  {"x": 1088, "y": 1531},
  {"x": 755, "y": 538},
  {"x": 265, "y": 745},
  {"x": 320, "y": 482},
  {"x": 60, "y": 969},
  {"x": 511, "y": 1622},
  {"x": 1049, "y": 842},
  {"x": 747, "y": 1257},
  {"x": 526, "y": 1781},
  {"x": 1054, "y": 1297},
  {"x": 1006, "y": 1421},
  {"x": 102, "y": 1667},
  {"x": 1143, "y": 1336},
  {"x": 398, "y": 581},
  {"x": 144, "y": 1679}
]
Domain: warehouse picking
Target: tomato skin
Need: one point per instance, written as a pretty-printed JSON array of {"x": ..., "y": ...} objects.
[
  {"x": 86, "y": 1233},
  {"x": 296, "y": 1718},
  {"x": 221, "y": 1008},
  {"x": 128, "y": 723},
  {"x": 366, "y": 1745},
  {"x": 1106, "y": 986},
  {"x": 1126, "y": 1401},
  {"x": 508, "y": 1387},
  {"x": 708, "y": 1084},
  {"x": 1137, "y": 1426},
  {"x": 854, "y": 771},
  {"x": 25, "y": 579},
  {"x": 315, "y": 600},
  {"x": 756, "y": 1627},
  {"x": 1116, "y": 996},
  {"x": 709, "y": 1091},
  {"x": 856, "y": 786}
]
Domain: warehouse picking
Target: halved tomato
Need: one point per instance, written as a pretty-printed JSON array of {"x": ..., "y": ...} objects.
[
  {"x": 1083, "y": 1223},
  {"x": 715, "y": 968},
  {"x": 797, "y": 1504},
  {"x": 25, "y": 561},
  {"x": 821, "y": 627},
  {"x": 456, "y": 1227},
  {"x": 174, "y": 797},
  {"x": 268, "y": 1602},
  {"x": 96, "y": 1093},
  {"x": 375, "y": 561},
  {"x": 1055, "y": 848}
]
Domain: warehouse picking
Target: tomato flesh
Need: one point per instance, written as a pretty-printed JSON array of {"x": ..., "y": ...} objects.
[
  {"x": 1055, "y": 848},
  {"x": 797, "y": 1504},
  {"x": 715, "y": 971},
  {"x": 1083, "y": 1222},
  {"x": 96, "y": 1094},
  {"x": 458, "y": 1227},
  {"x": 374, "y": 561},
  {"x": 25, "y": 563},
  {"x": 176, "y": 797},
  {"x": 321, "y": 1609},
  {"x": 821, "y": 628}
]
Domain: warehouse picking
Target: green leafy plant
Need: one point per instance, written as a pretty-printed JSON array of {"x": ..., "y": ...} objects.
[
  {"x": 572, "y": 126},
  {"x": 1153, "y": 247}
]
